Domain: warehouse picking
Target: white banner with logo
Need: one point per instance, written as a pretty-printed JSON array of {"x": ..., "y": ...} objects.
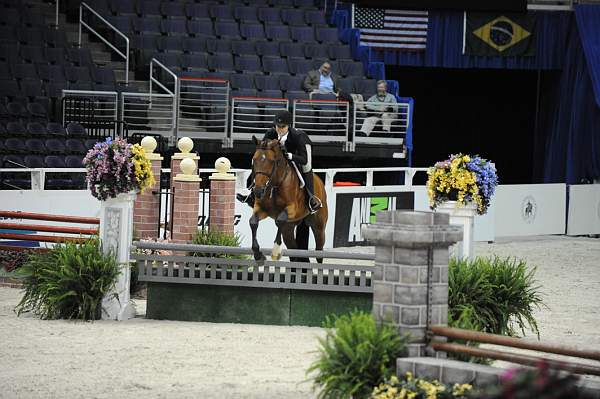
[
  {"x": 530, "y": 209},
  {"x": 584, "y": 209}
]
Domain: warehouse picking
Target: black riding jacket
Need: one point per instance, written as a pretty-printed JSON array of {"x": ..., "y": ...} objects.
[{"x": 295, "y": 144}]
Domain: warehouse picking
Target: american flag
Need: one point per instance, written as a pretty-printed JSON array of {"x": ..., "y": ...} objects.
[{"x": 395, "y": 29}]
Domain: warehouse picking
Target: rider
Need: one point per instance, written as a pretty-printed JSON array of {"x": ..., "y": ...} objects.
[{"x": 297, "y": 147}]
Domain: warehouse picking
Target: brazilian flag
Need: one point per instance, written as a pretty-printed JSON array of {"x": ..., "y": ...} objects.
[{"x": 504, "y": 35}]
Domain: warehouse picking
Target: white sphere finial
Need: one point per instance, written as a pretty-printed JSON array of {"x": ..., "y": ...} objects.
[
  {"x": 188, "y": 166},
  {"x": 149, "y": 144},
  {"x": 185, "y": 145},
  {"x": 222, "y": 165}
]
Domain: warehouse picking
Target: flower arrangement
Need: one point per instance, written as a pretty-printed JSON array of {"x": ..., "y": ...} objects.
[
  {"x": 462, "y": 178},
  {"x": 115, "y": 167},
  {"x": 418, "y": 388}
]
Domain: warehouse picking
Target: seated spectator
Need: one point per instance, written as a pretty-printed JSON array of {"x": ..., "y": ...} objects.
[
  {"x": 321, "y": 81},
  {"x": 381, "y": 107}
]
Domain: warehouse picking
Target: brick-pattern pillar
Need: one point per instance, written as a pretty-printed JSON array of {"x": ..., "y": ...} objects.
[
  {"x": 185, "y": 145},
  {"x": 407, "y": 246},
  {"x": 146, "y": 206},
  {"x": 185, "y": 206},
  {"x": 222, "y": 197}
]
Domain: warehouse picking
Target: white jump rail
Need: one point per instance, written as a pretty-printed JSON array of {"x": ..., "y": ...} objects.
[
  {"x": 369, "y": 114},
  {"x": 325, "y": 121},
  {"x": 83, "y": 24},
  {"x": 152, "y": 112},
  {"x": 253, "y": 116},
  {"x": 203, "y": 108}
]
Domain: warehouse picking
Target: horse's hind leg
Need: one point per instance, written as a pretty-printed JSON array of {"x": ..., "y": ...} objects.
[{"x": 302, "y": 236}]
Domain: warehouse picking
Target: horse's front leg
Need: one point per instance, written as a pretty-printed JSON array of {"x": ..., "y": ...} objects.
[
  {"x": 254, "y": 220},
  {"x": 280, "y": 221}
]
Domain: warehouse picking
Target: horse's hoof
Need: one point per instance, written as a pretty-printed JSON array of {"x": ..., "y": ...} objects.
[
  {"x": 276, "y": 252},
  {"x": 260, "y": 258}
]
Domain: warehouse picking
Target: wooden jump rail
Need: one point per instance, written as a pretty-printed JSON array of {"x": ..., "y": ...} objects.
[
  {"x": 512, "y": 342},
  {"x": 86, "y": 231}
]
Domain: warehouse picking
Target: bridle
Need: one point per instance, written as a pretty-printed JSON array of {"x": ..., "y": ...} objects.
[{"x": 271, "y": 175}]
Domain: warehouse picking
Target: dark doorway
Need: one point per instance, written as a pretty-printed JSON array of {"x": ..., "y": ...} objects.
[{"x": 477, "y": 111}]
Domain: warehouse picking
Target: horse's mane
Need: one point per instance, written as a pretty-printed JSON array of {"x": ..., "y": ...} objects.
[{"x": 268, "y": 145}]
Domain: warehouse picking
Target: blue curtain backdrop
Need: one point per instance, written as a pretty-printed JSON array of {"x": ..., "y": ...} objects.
[{"x": 566, "y": 41}]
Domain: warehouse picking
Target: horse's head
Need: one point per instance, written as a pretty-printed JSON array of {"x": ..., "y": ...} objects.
[{"x": 265, "y": 162}]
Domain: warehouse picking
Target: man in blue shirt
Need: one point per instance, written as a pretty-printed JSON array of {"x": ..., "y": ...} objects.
[{"x": 321, "y": 81}]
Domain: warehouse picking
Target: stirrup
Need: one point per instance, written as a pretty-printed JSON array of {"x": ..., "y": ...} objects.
[{"x": 317, "y": 206}]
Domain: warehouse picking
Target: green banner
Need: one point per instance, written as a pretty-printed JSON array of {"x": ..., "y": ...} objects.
[{"x": 495, "y": 35}]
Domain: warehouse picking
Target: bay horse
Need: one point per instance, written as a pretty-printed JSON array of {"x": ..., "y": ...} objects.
[{"x": 278, "y": 195}]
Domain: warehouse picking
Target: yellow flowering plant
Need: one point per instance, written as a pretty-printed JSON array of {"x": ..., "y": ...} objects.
[
  {"x": 142, "y": 167},
  {"x": 417, "y": 388},
  {"x": 462, "y": 178}
]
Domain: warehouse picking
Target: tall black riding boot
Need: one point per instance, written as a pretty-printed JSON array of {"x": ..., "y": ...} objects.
[{"x": 312, "y": 202}]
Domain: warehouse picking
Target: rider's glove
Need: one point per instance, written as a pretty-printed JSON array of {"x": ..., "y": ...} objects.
[{"x": 289, "y": 155}]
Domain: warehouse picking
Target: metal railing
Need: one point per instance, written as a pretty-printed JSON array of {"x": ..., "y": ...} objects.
[
  {"x": 89, "y": 107},
  {"x": 323, "y": 120},
  {"x": 203, "y": 108},
  {"x": 253, "y": 116},
  {"x": 83, "y": 9},
  {"x": 381, "y": 123},
  {"x": 159, "y": 73},
  {"x": 150, "y": 112}
]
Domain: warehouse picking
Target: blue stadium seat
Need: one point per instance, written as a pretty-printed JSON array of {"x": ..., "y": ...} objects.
[
  {"x": 248, "y": 63},
  {"x": 56, "y": 56},
  {"x": 85, "y": 86},
  {"x": 121, "y": 22},
  {"x": 33, "y": 18},
  {"x": 173, "y": 10},
  {"x": 293, "y": 16},
  {"x": 35, "y": 146},
  {"x": 315, "y": 18},
  {"x": 32, "y": 36},
  {"x": 346, "y": 85},
  {"x": 56, "y": 38},
  {"x": 37, "y": 111},
  {"x": 149, "y": 25},
  {"x": 55, "y": 146},
  {"x": 194, "y": 62},
  {"x": 36, "y": 129},
  {"x": 327, "y": 35},
  {"x": 267, "y": 82},
  {"x": 243, "y": 47},
  {"x": 194, "y": 44},
  {"x": 351, "y": 68},
  {"x": 221, "y": 12},
  {"x": 80, "y": 57},
  {"x": 334, "y": 65},
  {"x": 277, "y": 32},
  {"x": 144, "y": 42},
  {"x": 54, "y": 161},
  {"x": 8, "y": 34},
  {"x": 10, "y": 88},
  {"x": 291, "y": 83},
  {"x": 339, "y": 52},
  {"x": 104, "y": 76},
  {"x": 291, "y": 49},
  {"x": 89, "y": 143},
  {"x": 252, "y": 31},
  {"x": 366, "y": 87},
  {"x": 197, "y": 10},
  {"x": 200, "y": 27},
  {"x": 221, "y": 62},
  {"x": 24, "y": 71},
  {"x": 75, "y": 129},
  {"x": 10, "y": 16},
  {"x": 269, "y": 16},
  {"x": 272, "y": 94},
  {"x": 170, "y": 60},
  {"x": 170, "y": 44},
  {"x": 73, "y": 161},
  {"x": 15, "y": 146},
  {"x": 245, "y": 13},
  {"x": 5, "y": 71},
  {"x": 17, "y": 110},
  {"x": 300, "y": 66},
  {"x": 296, "y": 95},
  {"x": 275, "y": 65},
  {"x": 149, "y": 7},
  {"x": 229, "y": 29},
  {"x": 56, "y": 129},
  {"x": 78, "y": 74},
  {"x": 15, "y": 129},
  {"x": 244, "y": 93},
  {"x": 265, "y": 48},
  {"x": 75, "y": 146},
  {"x": 302, "y": 33},
  {"x": 282, "y": 3},
  {"x": 174, "y": 27},
  {"x": 33, "y": 161},
  {"x": 242, "y": 81},
  {"x": 122, "y": 7},
  {"x": 218, "y": 45},
  {"x": 33, "y": 54},
  {"x": 315, "y": 50}
]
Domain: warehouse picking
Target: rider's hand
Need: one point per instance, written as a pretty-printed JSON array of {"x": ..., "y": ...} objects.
[{"x": 289, "y": 155}]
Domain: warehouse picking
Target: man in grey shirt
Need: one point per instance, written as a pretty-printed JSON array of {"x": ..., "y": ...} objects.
[{"x": 381, "y": 106}]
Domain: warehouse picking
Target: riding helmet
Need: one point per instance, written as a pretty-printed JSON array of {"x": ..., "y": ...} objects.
[{"x": 283, "y": 118}]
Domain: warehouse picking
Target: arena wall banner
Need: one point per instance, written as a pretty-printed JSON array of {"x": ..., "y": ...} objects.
[
  {"x": 584, "y": 209},
  {"x": 530, "y": 209}
]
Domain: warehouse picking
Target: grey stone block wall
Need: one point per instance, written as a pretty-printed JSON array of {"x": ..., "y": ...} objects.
[
  {"x": 405, "y": 244},
  {"x": 448, "y": 371}
]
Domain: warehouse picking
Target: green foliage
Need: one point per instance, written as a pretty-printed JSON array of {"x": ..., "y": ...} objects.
[
  {"x": 207, "y": 237},
  {"x": 356, "y": 354},
  {"x": 68, "y": 282},
  {"x": 534, "y": 383},
  {"x": 493, "y": 295},
  {"x": 12, "y": 260}
]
